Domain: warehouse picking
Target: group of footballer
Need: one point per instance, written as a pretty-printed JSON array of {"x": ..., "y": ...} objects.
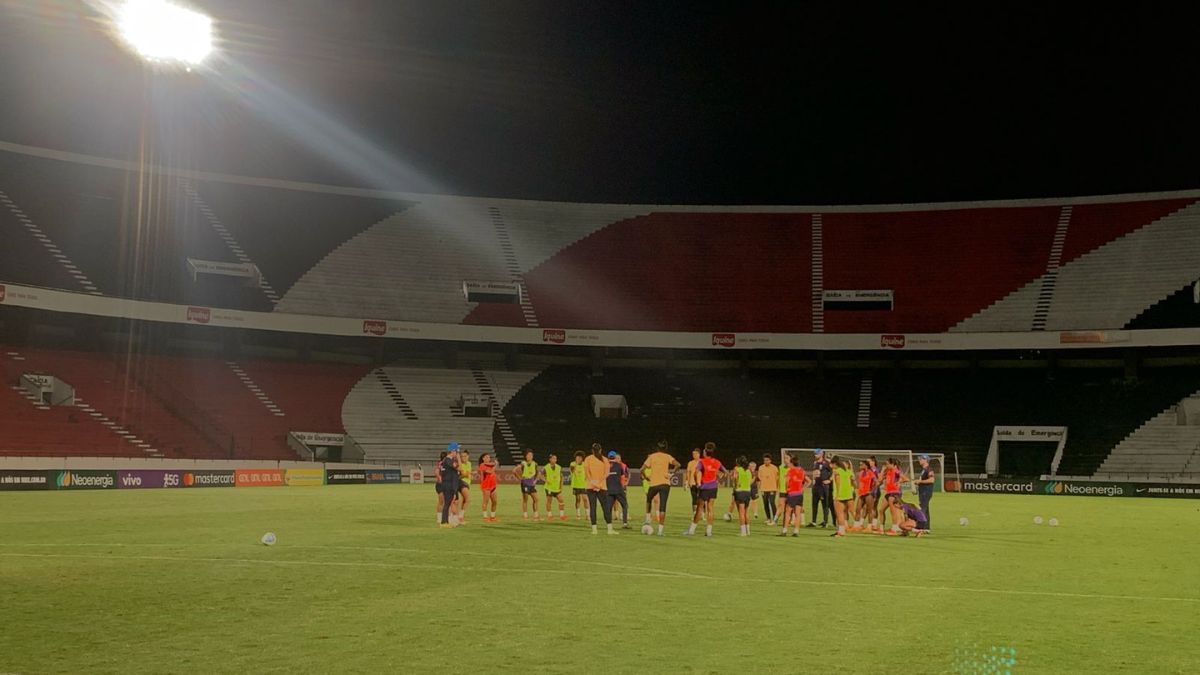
[{"x": 860, "y": 501}]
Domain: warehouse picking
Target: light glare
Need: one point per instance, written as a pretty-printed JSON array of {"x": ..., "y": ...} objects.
[{"x": 162, "y": 31}]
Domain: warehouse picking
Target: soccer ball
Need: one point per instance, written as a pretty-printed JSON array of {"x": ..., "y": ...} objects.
[
  {"x": 962, "y": 521},
  {"x": 728, "y": 517},
  {"x": 1037, "y": 520},
  {"x": 647, "y": 529},
  {"x": 1054, "y": 522},
  {"x": 269, "y": 539}
]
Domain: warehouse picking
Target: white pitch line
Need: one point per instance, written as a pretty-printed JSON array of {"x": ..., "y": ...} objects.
[
  {"x": 660, "y": 574},
  {"x": 317, "y": 563},
  {"x": 486, "y": 554},
  {"x": 392, "y": 549}
]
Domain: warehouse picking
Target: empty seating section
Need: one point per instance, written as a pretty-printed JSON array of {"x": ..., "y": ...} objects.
[
  {"x": 1113, "y": 284},
  {"x": 409, "y": 266},
  {"x": 934, "y": 411},
  {"x": 307, "y": 397},
  {"x": 753, "y": 415},
  {"x": 92, "y": 215},
  {"x": 1094, "y": 225},
  {"x": 130, "y": 235},
  {"x": 537, "y": 231},
  {"x": 942, "y": 265},
  {"x": 1118, "y": 261},
  {"x": 286, "y": 232},
  {"x": 239, "y": 423},
  {"x": 628, "y": 267},
  {"x": 682, "y": 271},
  {"x": 24, "y": 258},
  {"x": 1167, "y": 444},
  {"x": 54, "y": 431},
  {"x": 310, "y": 394},
  {"x": 181, "y": 407},
  {"x": 416, "y": 423},
  {"x": 112, "y": 390}
]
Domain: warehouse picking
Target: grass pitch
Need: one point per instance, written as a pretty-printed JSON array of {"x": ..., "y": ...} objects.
[{"x": 362, "y": 580}]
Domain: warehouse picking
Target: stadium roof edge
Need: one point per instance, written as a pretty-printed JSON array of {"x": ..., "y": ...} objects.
[{"x": 301, "y": 186}]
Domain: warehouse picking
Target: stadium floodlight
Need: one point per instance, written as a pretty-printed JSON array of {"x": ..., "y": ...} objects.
[{"x": 162, "y": 31}]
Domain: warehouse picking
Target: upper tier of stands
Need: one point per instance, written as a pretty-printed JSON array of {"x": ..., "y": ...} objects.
[{"x": 1002, "y": 266}]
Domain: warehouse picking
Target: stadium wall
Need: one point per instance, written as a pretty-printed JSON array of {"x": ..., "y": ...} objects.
[{"x": 111, "y": 307}]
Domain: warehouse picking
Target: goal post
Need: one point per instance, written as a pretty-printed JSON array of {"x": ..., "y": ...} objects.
[{"x": 907, "y": 459}]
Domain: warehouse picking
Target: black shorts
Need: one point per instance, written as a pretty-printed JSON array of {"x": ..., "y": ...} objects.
[
  {"x": 707, "y": 494},
  {"x": 695, "y": 494},
  {"x": 529, "y": 489},
  {"x": 742, "y": 498},
  {"x": 553, "y": 494},
  {"x": 893, "y": 494},
  {"x": 579, "y": 491},
  {"x": 464, "y": 487},
  {"x": 660, "y": 491},
  {"x": 754, "y": 492},
  {"x": 796, "y": 499}
]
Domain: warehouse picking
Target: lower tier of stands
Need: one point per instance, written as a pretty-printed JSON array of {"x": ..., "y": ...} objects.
[
  {"x": 207, "y": 407},
  {"x": 149, "y": 405},
  {"x": 951, "y": 412}
]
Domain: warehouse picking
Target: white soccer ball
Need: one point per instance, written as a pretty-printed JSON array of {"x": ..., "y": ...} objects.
[
  {"x": 962, "y": 521},
  {"x": 1054, "y": 522},
  {"x": 1037, "y": 520},
  {"x": 269, "y": 539},
  {"x": 728, "y": 517},
  {"x": 647, "y": 529}
]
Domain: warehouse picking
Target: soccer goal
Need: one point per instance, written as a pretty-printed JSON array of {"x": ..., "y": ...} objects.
[{"x": 907, "y": 459}]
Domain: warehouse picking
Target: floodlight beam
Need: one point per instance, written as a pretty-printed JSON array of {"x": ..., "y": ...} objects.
[{"x": 162, "y": 31}]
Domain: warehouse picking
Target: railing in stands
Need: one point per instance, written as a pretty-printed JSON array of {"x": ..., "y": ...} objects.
[
  {"x": 1190, "y": 466},
  {"x": 184, "y": 408}
]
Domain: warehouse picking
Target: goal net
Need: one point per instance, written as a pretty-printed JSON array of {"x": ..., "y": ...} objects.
[{"x": 907, "y": 460}]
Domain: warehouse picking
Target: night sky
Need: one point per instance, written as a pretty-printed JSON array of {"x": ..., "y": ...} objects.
[{"x": 713, "y": 103}]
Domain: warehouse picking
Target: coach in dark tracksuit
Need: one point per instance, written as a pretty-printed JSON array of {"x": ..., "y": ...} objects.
[
  {"x": 925, "y": 487},
  {"x": 822, "y": 490}
]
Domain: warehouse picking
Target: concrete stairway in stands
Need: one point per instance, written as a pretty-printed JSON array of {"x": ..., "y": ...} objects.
[
  {"x": 385, "y": 431},
  {"x": 1165, "y": 445},
  {"x": 1106, "y": 287}
]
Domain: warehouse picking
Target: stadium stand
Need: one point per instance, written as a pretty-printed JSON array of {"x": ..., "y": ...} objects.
[
  {"x": 254, "y": 404},
  {"x": 682, "y": 271},
  {"x": 942, "y": 265},
  {"x": 176, "y": 406},
  {"x": 408, "y": 414},
  {"x": 1107, "y": 249},
  {"x": 286, "y": 232},
  {"x": 110, "y": 391},
  {"x": 933, "y": 411},
  {"x": 1167, "y": 444},
  {"x": 88, "y": 224},
  {"x": 55, "y": 431},
  {"x": 409, "y": 266}
]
